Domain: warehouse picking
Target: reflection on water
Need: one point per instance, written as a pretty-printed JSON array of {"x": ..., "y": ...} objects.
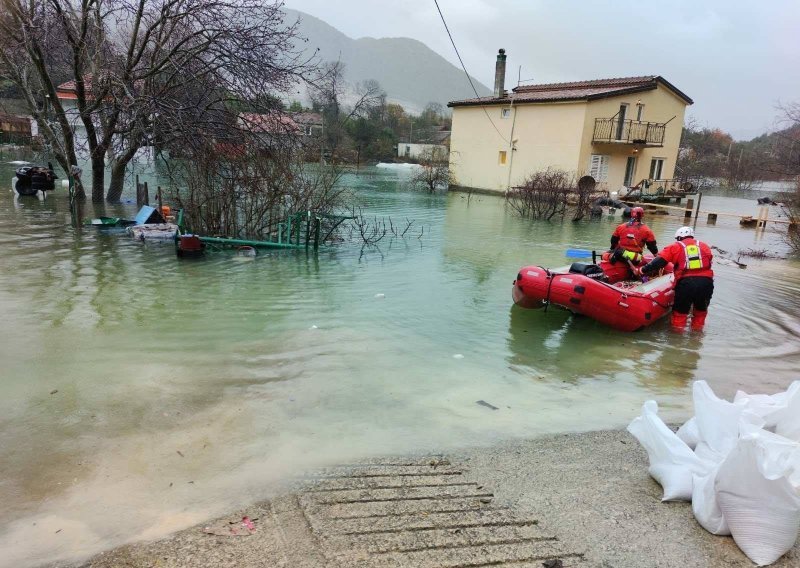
[
  {"x": 140, "y": 394},
  {"x": 576, "y": 348}
]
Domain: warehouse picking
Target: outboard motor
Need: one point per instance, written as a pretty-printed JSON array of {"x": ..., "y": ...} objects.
[{"x": 592, "y": 271}]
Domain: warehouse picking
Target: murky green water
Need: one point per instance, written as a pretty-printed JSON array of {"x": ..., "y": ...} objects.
[{"x": 187, "y": 388}]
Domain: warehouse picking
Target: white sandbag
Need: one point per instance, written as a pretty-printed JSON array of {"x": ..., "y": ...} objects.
[
  {"x": 703, "y": 451},
  {"x": 672, "y": 462},
  {"x": 787, "y": 419},
  {"x": 704, "y": 504},
  {"x": 770, "y": 407},
  {"x": 718, "y": 420},
  {"x": 756, "y": 497},
  {"x": 689, "y": 433}
]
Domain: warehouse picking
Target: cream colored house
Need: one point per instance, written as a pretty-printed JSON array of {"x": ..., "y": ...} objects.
[{"x": 619, "y": 131}]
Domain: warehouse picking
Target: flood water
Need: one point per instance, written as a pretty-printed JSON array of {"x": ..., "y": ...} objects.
[{"x": 141, "y": 394}]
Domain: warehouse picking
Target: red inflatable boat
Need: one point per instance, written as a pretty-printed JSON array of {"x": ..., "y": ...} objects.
[{"x": 596, "y": 291}]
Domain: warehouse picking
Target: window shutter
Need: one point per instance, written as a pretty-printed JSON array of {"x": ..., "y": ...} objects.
[{"x": 598, "y": 167}]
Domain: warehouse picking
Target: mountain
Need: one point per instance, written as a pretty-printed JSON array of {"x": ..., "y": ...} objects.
[{"x": 409, "y": 71}]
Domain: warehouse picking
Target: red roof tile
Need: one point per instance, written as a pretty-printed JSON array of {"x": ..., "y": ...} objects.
[
  {"x": 310, "y": 118},
  {"x": 268, "y": 123},
  {"x": 575, "y": 91}
]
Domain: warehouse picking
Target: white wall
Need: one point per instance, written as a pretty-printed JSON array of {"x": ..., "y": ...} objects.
[{"x": 415, "y": 151}]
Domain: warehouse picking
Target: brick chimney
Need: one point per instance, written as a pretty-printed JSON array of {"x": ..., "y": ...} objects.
[{"x": 500, "y": 74}]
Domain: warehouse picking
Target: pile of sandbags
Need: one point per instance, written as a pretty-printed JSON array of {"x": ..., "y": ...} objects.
[{"x": 737, "y": 462}]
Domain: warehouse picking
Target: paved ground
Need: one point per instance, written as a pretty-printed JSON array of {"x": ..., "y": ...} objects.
[{"x": 572, "y": 500}]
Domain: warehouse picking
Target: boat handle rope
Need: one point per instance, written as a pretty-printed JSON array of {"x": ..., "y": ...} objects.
[
  {"x": 549, "y": 285},
  {"x": 624, "y": 296}
]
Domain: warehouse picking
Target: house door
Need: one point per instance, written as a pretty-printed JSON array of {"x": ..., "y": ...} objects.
[
  {"x": 630, "y": 168},
  {"x": 623, "y": 111}
]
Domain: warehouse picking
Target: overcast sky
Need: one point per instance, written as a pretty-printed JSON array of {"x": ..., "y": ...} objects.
[{"x": 736, "y": 59}]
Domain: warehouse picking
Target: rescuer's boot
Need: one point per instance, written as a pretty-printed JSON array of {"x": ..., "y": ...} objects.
[
  {"x": 698, "y": 319},
  {"x": 679, "y": 321}
]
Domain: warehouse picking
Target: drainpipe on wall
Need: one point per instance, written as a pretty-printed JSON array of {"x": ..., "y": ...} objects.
[{"x": 511, "y": 142}]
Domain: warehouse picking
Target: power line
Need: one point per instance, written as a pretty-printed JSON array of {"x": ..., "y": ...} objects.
[{"x": 467, "y": 74}]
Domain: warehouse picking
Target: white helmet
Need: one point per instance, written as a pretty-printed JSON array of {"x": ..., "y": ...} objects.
[{"x": 684, "y": 232}]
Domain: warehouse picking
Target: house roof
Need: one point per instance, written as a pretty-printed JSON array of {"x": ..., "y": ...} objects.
[
  {"x": 441, "y": 136},
  {"x": 575, "y": 91},
  {"x": 70, "y": 85},
  {"x": 308, "y": 118},
  {"x": 268, "y": 123},
  {"x": 68, "y": 89}
]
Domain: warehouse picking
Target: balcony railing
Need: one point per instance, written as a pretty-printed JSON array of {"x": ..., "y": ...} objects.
[{"x": 613, "y": 130}]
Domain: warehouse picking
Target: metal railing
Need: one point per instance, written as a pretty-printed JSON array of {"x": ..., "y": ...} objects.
[
  {"x": 657, "y": 189},
  {"x": 629, "y": 131}
]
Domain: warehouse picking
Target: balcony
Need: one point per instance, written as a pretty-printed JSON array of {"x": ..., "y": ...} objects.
[{"x": 615, "y": 131}]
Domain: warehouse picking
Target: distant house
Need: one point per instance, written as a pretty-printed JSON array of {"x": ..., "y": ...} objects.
[
  {"x": 67, "y": 94},
  {"x": 68, "y": 91},
  {"x": 417, "y": 151},
  {"x": 268, "y": 124},
  {"x": 442, "y": 136},
  {"x": 619, "y": 131},
  {"x": 15, "y": 129},
  {"x": 310, "y": 123}
]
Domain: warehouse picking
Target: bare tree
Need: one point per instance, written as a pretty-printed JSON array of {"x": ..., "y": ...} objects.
[
  {"x": 329, "y": 94},
  {"x": 584, "y": 196},
  {"x": 144, "y": 72},
  {"x": 787, "y": 147},
  {"x": 246, "y": 189},
  {"x": 370, "y": 232},
  {"x": 788, "y": 160},
  {"x": 434, "y": 172},
  {"x": 543, "y": 195},
  {"x": 741, "y": 173}
]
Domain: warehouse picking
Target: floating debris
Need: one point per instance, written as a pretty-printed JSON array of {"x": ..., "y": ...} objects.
[
  {"x": 246, "y": 252},
  {"x": 486, "y": 404}
]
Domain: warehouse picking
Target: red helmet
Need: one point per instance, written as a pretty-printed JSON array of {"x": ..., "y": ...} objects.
[{"x": 637, "y": 213}]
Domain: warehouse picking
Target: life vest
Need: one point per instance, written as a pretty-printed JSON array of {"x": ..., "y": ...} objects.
[
  {"x": 634, "y": 257},
  {"x": 631, "y": 237},
  {"x": 695, "y": 262}
]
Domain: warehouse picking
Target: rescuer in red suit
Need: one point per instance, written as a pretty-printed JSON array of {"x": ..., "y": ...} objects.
[
  {"x": 694, "y": 279},
  {"x": 629, "y": 239}
]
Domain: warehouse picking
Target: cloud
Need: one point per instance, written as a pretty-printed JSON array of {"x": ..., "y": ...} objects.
[{"x": 735, "y": 58}]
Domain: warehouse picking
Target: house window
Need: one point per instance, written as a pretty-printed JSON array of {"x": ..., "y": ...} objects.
[
  {"x": 639, "y": 111},
  {"x": 502, "y": 157},
  {"x": 656, "y": 168},
  {"x": 505, "y": 113},
  {"x": 598, "y": 167}
]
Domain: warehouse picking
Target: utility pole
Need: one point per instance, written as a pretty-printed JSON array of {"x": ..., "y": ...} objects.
[{"x": 322, "y": 143}]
